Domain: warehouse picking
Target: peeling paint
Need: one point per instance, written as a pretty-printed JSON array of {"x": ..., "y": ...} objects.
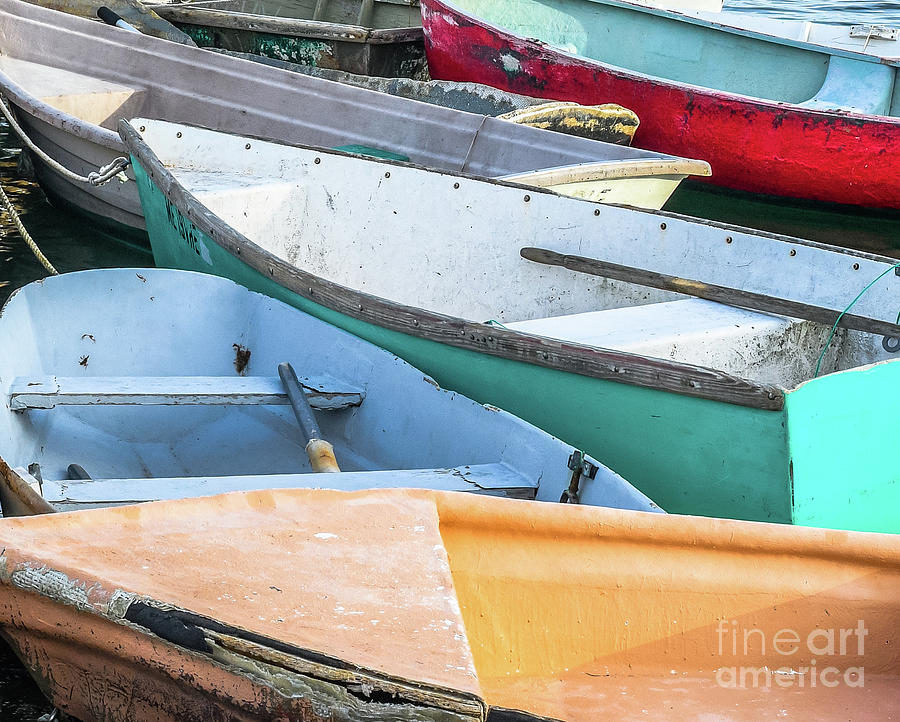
[{"x": 786, "y": 150}]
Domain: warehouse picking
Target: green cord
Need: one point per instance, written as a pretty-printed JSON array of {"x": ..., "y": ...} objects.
[{"x": 859, "y": 296}]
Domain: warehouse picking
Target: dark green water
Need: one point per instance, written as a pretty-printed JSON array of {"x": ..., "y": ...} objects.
[
  {"x": 69, "y": 242},
  {"x": 871, "y": 231},
  {"x": 72, "y": 243}
]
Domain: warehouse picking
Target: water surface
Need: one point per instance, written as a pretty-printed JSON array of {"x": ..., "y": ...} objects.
[{"x": 836, "y": 12}]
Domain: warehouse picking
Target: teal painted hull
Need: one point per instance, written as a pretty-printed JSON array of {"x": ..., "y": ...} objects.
[
  {"x": 690, "y": 455},
  {"x": 824, "y": 457}
]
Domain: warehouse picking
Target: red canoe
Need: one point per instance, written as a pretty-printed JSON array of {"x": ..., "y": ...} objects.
[{"x": 780, "y": 116}]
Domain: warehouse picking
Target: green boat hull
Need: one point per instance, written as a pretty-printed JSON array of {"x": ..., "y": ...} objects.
[{"x": 690, "y": 455}]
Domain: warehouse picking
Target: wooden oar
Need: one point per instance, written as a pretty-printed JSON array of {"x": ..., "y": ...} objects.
[
  {"x": 709, "y": 291},
  {"x": 319, "y": 451},
  {"x": 76, "y": 472}
]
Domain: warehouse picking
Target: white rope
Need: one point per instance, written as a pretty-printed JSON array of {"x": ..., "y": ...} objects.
[
  {"x": 95, "y": 178},
  {"x": 29, "y": 241}
]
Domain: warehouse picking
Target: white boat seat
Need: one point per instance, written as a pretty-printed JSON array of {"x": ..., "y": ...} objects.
[
  {"x": 91, "y": 99},
  {"x": 855, "y": 86},
  {"x": 46, "y": 392},
  {"x": 494, "y": 479},
  {"x": 744, "y": 343}
]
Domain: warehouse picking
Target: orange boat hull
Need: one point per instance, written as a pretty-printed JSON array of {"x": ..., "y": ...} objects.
[{"x": 311, "y": 604}]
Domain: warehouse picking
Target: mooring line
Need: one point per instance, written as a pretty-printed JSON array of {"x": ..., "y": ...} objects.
[
  {"x": 29, "y": 241},
  {"x": 95, "y": 178}
]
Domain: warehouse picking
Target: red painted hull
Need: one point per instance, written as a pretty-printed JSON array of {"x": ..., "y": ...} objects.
[{"x": 757, "y": 146}]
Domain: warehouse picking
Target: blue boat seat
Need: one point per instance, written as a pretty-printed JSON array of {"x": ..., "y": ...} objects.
[
  {"x": 47, "y": 392},
  {"x": 855, "y": 86}
]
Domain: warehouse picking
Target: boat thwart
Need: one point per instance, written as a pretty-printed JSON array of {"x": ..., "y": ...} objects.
[
  {"x": 164, "y": 384},
  {"x": 370, "y": 37}
]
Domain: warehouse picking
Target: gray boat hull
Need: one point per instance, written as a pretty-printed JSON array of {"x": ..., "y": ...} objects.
[{"x": 70, "y": 98}]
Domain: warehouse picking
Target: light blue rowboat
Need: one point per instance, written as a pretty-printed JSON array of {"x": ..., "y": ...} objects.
[{"x": 164, "y": 384}]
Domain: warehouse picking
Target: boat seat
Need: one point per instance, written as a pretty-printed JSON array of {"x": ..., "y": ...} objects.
[
  {"x": 494, "y": 479},
  {"x": 88, "y": 98},
  {"x": 46, "y": 392},
  {"x": 855, "y": 86},
  {"x": 694, "y": 331}
]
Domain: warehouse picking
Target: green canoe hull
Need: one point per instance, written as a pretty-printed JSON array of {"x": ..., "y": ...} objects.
[{"x": 690, "y": 455}]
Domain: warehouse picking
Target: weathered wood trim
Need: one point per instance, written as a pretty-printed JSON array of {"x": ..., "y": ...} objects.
[
  {"x": 261, "y": 23},
  {"x": 387, "y": 36},
  {"x": 721, "y": 294},
  {"x": 402, "y": 689},
  {"x": 17, "y": 497},
  {"x": 285, "y": 26},
  {"x": 599, "y": 363},
  {"x": 288, "y": 656}
]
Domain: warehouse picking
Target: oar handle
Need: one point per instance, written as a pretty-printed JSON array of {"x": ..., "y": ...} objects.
[
  {"x": 319, "y": 451},
  {"x": 110, "y": 17},
  {"x": 321, "y": 456}
]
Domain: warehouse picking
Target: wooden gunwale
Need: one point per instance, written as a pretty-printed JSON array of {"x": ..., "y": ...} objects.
[
  {"x": 150, "y": 617},
  {"x": 286, "y": 26},
  {"x": 325, "y": 666},
  {"x": 599, "y": 363},
  {"x": 396, "y": 35},
  {"x": 18, "y": 496}
]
